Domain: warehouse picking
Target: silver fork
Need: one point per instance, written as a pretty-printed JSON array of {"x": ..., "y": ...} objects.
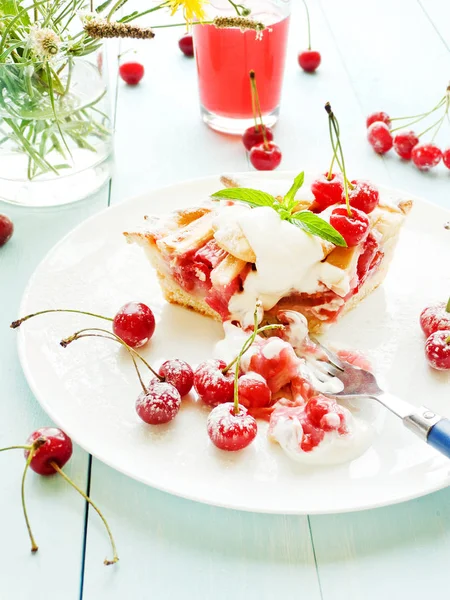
[{"x": 424, "y": 422}]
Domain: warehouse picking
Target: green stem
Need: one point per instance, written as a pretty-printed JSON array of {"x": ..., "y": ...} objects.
[
  {"x": 16, "y": 448},
  {"x": 309, "y": 24},
  {"x": 34, "y": 546},
  {"x": 419, "y": 117},
  {"x": 19, "y": 322},
  {"x": 95, "y": 507},
  {"x": 114, "y": 337},
  {"x": 255, "y": 100},
  {"x": 335, "y": 125},
  {"x": 134, "y": 16},
  {"x": 52, "y": 102}
]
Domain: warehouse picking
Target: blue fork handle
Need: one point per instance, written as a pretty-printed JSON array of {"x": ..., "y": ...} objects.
[
  {"x": 439, "y": 436},
  {"x": 431, "y": 427}
]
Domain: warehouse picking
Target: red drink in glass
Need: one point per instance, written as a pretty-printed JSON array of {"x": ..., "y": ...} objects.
[{"x": 224, "y": 60}]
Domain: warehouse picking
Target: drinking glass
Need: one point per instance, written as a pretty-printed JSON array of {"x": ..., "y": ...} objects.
[{"x": 226, "y": 56}]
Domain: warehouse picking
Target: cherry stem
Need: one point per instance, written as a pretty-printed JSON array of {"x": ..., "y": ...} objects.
[
  {"x": 338, "y": 146},
  {"x": 257, "y": 107},
  {"x": 107, "y": 337},
  {"x": 416, "y": 117},
  {"x": 36, "y": 444},
  {"x": 309, "y": 24},
  {"x": 94, "y": 506},
  {"x": 447, "y": 308},
  {"x": 16, "y": 448},
  {"x": 19, "y": 322}
]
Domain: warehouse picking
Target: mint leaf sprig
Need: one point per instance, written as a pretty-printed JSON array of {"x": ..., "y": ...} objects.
[{"x": 304, "y": 219}]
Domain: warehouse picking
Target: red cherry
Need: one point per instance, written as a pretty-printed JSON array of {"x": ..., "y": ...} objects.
[
  {"x": 380, "y": 137},
  {"x": 435, "y": 318},
  {"x": 327, "y": 191},
  {"x": 159, "y": 404},
  {"x": 265, "y": 157},
  {"x": 253, "y": 391},
  {"x": 131, "y": 72},
  {"x": 309, "y": 60},
  {"x": 254, "y": 136},
  {"x": 445, "y": 159},
  {"x": 6, "y": 229},
  {"x": 326, "y": 414},
  {"x": 179, "y": 374},
  {"x": 56, "y": 448},
  {"x": 354, "y": 229},
  {"x": 230, "y": 431},
  {"x": 377, "y": 117},
  {"x": 186, "y": 45},
  {"x": 404, "y": 143},
  {"x": 437, "y": 350},
  {"x": 211, "y": 384},
  {"x": 134, "y": 324},
  {"x": 426, "y": 156},
  {"x": 364, "y": 196}
]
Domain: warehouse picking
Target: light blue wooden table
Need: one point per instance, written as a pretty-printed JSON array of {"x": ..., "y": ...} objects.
[{"x": 392, "y": 55}]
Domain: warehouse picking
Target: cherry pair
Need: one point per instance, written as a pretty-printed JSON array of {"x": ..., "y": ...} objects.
[
  {"x": 264, "y": 154},
  {"x": 360, "y": 197}
]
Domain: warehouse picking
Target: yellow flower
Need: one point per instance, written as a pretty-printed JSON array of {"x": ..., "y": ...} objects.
[{"x": 192, "y": 9}]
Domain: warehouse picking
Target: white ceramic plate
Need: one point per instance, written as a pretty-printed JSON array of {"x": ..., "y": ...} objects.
[{"x": 89, "y": 389}]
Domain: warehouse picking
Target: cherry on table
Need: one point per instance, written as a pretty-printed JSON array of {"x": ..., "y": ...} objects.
[
  {"x": 6, "y": 229},
  {"x": 354, "y": 228},
  {"x": 56, "y": 447},
  {"x": 179, "y": 374},
  {"x": 229, "y": 429},
  {"x": 377, "y": 117},
  {"x": 265, "y": 156},
  {"x": 437, "y": 350},
  {"x": 253, "y": 391},
  {"x": 134, "y": 323},
  {"x": 211, "y": 383},
  {"x": 159, "y": 404},
  {"x": 186, "y": 45},
  {"x": 309, "y": 60},
  {"x": 426, "y": 156},
  {"x": 46, "y": 451},
  {"x": 380, "y": 137},
  {"x": 364, "y": 196},
  {"x": 435, "y": 318},
  {"x": 404, "y": 143},
  {"x": 254, "y": 135},
  {"x": 327, "y": 190},
  {"x": 131, "y": 72}
]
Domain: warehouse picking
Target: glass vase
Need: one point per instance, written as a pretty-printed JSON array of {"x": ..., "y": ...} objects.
[{"x": 55, "y": 132}]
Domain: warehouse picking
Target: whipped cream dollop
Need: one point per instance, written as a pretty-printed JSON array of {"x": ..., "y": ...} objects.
[
  {"x": 335, "y": 448},
  {"x": 287, "y": 259}
]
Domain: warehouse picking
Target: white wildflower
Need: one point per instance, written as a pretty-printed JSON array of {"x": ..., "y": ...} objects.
[{"x": 44, "y": 42}]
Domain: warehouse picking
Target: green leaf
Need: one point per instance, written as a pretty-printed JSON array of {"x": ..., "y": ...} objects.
[
  {"x": 289, "y": 199},
  {"x": 315, "y": 225},
  {"x": 247, "y": 195}
]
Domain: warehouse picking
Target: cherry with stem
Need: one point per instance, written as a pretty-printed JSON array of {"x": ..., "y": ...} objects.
[{"x": 47, "y": 450}]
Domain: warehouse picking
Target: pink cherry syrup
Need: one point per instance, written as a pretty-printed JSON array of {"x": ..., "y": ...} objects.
[{"x": 226, "y": 56}]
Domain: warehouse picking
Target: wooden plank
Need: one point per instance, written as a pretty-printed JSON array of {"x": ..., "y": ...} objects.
[{"x": 170, "y": 547}]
